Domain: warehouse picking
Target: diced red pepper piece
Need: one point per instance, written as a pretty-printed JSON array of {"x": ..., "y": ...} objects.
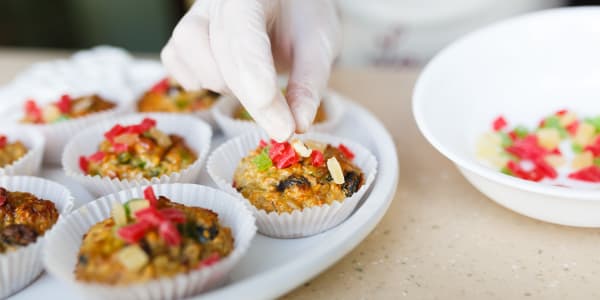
[
  {"x": 174, "y": 215},
  {"x": 150, "y": 215},
  {"x": 144, "y": 126},
  {"x": 562, "y": 112},
  {"x": 33, "y": 111},
  {"x": 282, "y": 154},
  {"x": 513, "y": 135},
  {"x": 114, "y": 132},
  {"x": 533, "y": 175},
  {"x": 150, "y": 196},
  {"x": 499, "y": 123},
  {"x": 594, "y": 147},
  {"x": 161, "y": 86},
  {"x": 316, "y": 158},
  {"x": 210, "y": 260},
  {"x": 545, "y": 169},
  {"x": 134, "y": 232},
  {"x": 120, "y": 147},
  {"x": 347, "y": 153},
  {"x": 84, "y": 164},
  {"x": 3, "y": 141},
  {"x": 64, "y": 104},
  {"x": 556, "y": 151},
  {"x": 262, "y": 144},
  {"x": 98, "y": 156},
  {"x": 527, "y": 148},
  {"x": 589, "y": 174},
  {"x": 169, "y": 233},
  {"x": 572, "y": 128}
]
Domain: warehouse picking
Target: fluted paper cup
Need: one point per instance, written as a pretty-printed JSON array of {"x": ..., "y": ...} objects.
[
  {"x": 18, "y": 268},
  {"x": 197, "y": 135},
  {"x": 300, "y": 223},
  {"x": 60, "y": 255},
  {"x": 224, "y": 110},
  {"x": 31, "y": 162}
]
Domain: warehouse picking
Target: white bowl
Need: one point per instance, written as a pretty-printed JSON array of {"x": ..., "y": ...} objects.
[{"x": 524, "y": 68}]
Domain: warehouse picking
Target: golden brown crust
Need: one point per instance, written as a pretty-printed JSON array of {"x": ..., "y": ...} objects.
[
  {"x": 176, "y": 99},
  {"x": 11, "y": 152},
  {"x": 206, "y": 237},
  {"x": 20, "y": 208},
  {"x": 146, "y": 159},
  {"x": 299, "y": 186}
]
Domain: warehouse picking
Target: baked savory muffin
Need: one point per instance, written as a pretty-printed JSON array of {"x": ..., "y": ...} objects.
[
  {"x": 23, "y": 218},
  {"x": 241, "y": 113},
  {"x": 168, "y": 96},
  {"x": 138, "y": 151},
  {"x": 283, "y": 177},
  {"x": 151, "y": 238},
  {"x": 10, "y": 152},
  {"x": 64, "y": 109}
]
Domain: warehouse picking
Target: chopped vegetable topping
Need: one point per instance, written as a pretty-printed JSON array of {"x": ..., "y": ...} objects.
[
  {"x": 349, "y": 154},
  {"x": 3, "y": 141},
  {"x": 118, "y": 214},
  {"x": 301, "y": 149},
  {"x": 335, "y": 170},
  {"x": 263, "y": 161},
  {"x": 499, "y": 123},
  {"x": 536, "y": 155},
  {"x": 64, "y": 104},
  {"x": 150, "y": 196},
  {"x": 161, "y": 86},
  {"x": 282, "y": 154},
  {"x": 317, "y": 158},
  {"x": 133, "y": 258}
]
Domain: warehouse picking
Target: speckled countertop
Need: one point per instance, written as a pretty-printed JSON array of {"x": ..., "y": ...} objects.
[{"x": 440, "y": 239}]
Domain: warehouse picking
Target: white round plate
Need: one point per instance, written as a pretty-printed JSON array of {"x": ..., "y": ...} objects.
[
  {"x": 524, "y": 69},
  {"x": 287, "y": 263}
]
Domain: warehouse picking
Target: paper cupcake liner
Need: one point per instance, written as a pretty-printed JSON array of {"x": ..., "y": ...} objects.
[
  {"x": 20, "y": 267},
  {"x": 31, "y": 162},
  {"x": 60, "y": 254},
  {"x": 309, "y": 221},
  {"x": 197, "y": 135},
  {"x": 225, "y": 108},
  {"x": 101, "y": 70}
]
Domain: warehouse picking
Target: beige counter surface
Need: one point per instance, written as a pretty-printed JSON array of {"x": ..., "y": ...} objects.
[{"x": 441, "y": 238}]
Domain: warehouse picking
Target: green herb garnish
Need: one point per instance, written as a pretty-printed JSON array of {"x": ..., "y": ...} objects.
[{"x": 263, "y": 161}]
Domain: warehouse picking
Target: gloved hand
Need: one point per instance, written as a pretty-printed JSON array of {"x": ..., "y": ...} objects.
[{"x": 234, "y": 46}]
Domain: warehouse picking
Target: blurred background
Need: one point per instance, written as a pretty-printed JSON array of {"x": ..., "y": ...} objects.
[{"x": 390, "y": 33}]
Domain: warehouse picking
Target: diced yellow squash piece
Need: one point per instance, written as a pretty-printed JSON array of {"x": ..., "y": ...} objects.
[
  {"x": 585, "y": 134},
  {"x": 583, "y": 160},
  {"x": 162, "y": 139},
  {"x": 335, "y": 170},
  {"x": 118, "y": 214},
  {"x": 555, "y": 160},
  {"x": 135, "y": 205},
  {"x": 50, "y": 113},
  {"x": 133, "y": 258},
  {"x": 314, "y": 145},
  {"x": 548, "y": 138},
  {"x": 567, "y": 118},
  {"x": 489, "y": 146}
]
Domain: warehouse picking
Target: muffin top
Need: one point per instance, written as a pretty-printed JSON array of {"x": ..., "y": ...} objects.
[
  {"x": 138, "y": 151},
  {"x": 283, "y": 177},
  {"x": 23, "y": 218},
  {"x": 150, "y": 238},
  {"x": 64, "y": 109},
  {"x": 169, "y": 96},
  {"x": 10, "y": 151}
]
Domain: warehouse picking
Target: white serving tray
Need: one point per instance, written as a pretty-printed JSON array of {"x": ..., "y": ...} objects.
[{"x": 273, "y": 267}]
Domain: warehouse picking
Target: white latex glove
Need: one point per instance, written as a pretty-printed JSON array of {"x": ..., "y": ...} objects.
[{"x": 234, "y": 46}]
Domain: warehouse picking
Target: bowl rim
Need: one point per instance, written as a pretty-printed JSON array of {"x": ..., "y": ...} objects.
[{"x": 469, "y": 163}]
